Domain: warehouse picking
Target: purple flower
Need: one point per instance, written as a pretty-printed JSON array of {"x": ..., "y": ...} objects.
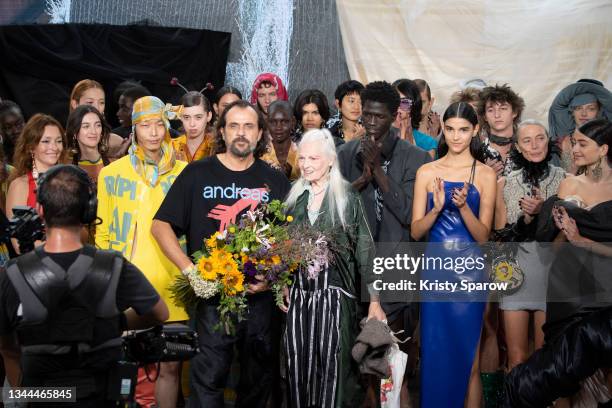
[
  {"x": 271, "y": 277},
  {"x": 249, "y": 271}
]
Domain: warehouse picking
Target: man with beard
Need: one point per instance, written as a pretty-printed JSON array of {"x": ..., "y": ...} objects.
[
  {"x": 281, "y": 123},
  {"x": 208, "y": 196},
  {"x": 382, "y": 167}
]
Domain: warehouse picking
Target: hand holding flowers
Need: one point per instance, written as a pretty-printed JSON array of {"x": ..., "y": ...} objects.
[{"x": 256, "y": 255}]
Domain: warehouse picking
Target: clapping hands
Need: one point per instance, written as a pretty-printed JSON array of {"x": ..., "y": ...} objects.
[
  {"x": 566, "y": 224},
  {"x": 460, "y": 196},
  {"x": 532, "y": 205},
  {"x": 438, "y": 194}
]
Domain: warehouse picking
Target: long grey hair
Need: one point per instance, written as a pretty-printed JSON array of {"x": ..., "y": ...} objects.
[{"x": 338, "y": 188}]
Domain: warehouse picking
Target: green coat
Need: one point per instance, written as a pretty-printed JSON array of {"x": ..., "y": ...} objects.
[{"x": 353, "y": 250}]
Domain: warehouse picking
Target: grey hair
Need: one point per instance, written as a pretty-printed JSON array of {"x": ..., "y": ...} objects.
[
  {"x": 531, "y": 122},
  {"x": 337, "y": 193}
]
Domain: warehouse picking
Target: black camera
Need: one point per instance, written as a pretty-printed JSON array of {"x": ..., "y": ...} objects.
[
  {"x": 26, "y": 227},
  {"x": 175, "y": 342}
]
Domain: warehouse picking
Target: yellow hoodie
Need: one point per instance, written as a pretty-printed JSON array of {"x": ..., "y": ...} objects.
[{"x": 127, "y": 205}]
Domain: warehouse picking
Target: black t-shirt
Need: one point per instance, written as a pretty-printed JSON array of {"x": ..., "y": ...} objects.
[
  {"x": 208, "y": 197},
  {"x": 133, "y": 290}
]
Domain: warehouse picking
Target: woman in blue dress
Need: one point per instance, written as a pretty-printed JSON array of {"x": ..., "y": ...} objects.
[{"x": 454, "y": 199}]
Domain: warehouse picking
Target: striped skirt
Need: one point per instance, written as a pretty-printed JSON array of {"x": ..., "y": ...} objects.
[{"x": 320, "y": 333}]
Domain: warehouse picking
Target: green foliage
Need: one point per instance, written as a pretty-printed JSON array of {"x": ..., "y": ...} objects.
[
  {"x": 183, "y": 294},
  {"x": 232, "y": 310},
  {"x": 276, "y": 209}
]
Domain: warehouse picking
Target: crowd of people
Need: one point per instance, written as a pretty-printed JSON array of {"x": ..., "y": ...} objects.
[{"x": 383, "y": 169}]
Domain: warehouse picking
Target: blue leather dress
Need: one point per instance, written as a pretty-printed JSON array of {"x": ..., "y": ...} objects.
[{"x": 450, "y": 322}]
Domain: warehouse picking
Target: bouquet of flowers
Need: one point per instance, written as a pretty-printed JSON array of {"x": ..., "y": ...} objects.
[{"x": 259, "y": 248}]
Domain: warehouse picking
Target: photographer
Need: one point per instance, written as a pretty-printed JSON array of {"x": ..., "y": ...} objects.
[{"x": 64, "y": 306}]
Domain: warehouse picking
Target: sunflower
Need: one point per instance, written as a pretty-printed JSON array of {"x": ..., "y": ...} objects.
[
  {"x": 233, "y": 282},
  {"x": 223, "y": 260},
  {"x": 207, "y": 268},
  {"x": 211, "y": 243},
  {"x": 228, "y": 267}
]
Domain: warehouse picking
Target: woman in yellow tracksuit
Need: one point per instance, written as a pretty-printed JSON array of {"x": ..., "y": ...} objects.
[{"x": 130, "y": 191}]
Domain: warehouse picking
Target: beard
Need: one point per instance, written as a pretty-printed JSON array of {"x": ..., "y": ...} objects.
[{"x": 241, "y": 153}]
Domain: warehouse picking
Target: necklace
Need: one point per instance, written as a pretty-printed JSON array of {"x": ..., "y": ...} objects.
[
  {"x": 311, "y": 201},
  {"x": 319, "y": 192}
]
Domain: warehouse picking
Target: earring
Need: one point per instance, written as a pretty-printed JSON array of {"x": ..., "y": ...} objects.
[
  {"x": 75, "y": 145},
  {"x": 597, "y": 171},
  {"x": 34, "y": 169},
  {"x": 75, "y": 148}
]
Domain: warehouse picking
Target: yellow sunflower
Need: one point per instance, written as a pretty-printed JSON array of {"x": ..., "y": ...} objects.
[
  {"x": 233, "y": 282},
  {"x": 221, "y": 258},
  {"x": 228, "y": 267},
  {"x": 206, "y": 266},
  {"x": 211, "y": 243}
]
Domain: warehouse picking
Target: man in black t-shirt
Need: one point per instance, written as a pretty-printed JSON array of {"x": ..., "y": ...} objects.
[
  {"x": 67, "y": 304},
  {"x": 206, "y": 197}
]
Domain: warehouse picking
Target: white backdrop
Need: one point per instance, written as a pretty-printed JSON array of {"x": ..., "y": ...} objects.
[{"x": 536, "y": 46}]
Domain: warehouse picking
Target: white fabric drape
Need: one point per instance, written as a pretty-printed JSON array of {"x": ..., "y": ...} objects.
[{"x": 536, "y": 46}]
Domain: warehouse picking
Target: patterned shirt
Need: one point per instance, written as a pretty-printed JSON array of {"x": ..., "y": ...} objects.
[
  {"x": 491, "y": 152},
  {"x": 205, "y": 149}
]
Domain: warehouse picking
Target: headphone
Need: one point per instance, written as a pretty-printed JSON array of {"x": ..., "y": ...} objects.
[{"x": 89, "y": 212}]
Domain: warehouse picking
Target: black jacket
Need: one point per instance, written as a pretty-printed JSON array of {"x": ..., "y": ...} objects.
[{"x": 405, "y": 159}]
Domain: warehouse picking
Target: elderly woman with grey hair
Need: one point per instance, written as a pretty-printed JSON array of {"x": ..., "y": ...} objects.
[
  {"x": 323, "y": 310},
  {"x": 520, "y": 196}
]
